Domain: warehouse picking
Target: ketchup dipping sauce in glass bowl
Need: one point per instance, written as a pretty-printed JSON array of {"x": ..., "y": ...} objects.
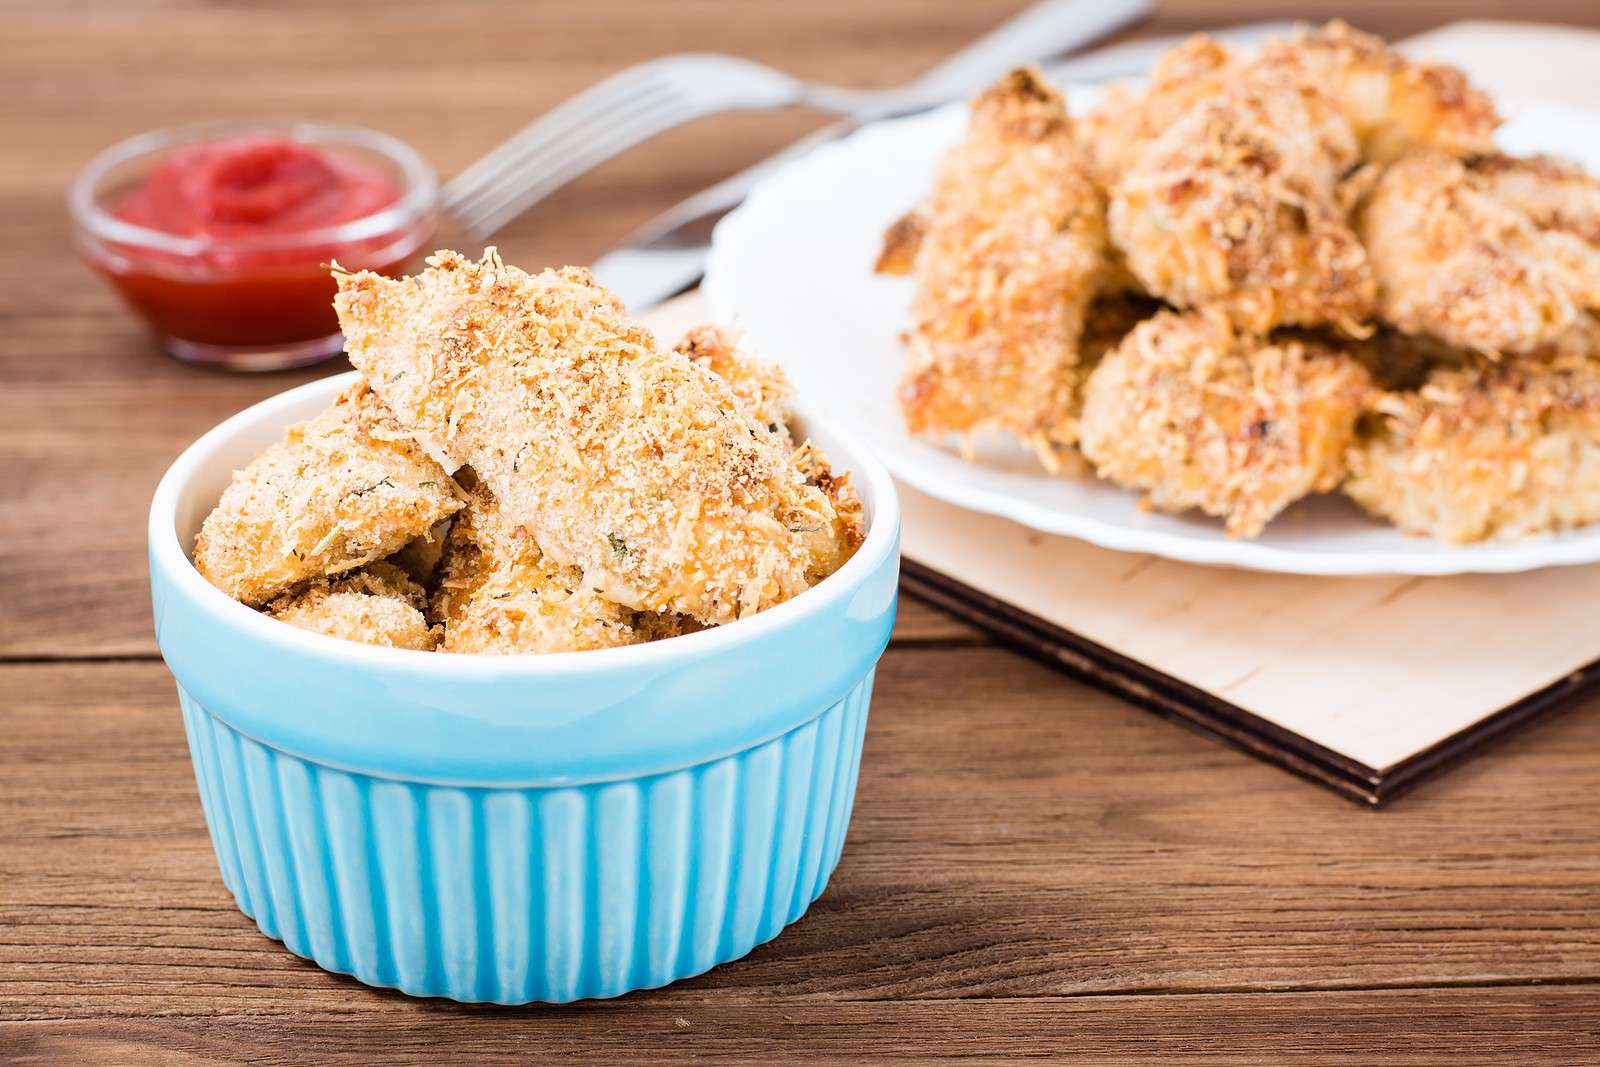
[{"x": 220, "y": 236}]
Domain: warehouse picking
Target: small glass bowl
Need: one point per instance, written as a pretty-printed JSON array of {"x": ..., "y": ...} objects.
[{"x": 252, "y": 303}]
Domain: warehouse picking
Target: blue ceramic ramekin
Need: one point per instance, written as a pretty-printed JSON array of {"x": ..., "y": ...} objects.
[{"x": 520, "y": 828}]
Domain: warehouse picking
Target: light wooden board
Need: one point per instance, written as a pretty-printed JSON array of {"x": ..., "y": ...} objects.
[{"x": 1374, "y": 669}]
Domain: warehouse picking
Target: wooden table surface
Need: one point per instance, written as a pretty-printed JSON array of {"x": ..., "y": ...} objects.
[{"x": 1034, "y": 869}]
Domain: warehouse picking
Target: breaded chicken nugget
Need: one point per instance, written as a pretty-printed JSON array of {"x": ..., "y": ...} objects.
[
  {"x": 1119, "y": 129},
  {"x": 1556, "y": 194},
  {"x": 1458, "y": 262},
  {"x": 498, "y": 594},
  {"x": 1492, "y": 450},
  {"x": 840, "y": 539},
  {"x": 625, "y": 460},
  {"x": 1200, "y": 416},
  {"x": 377, "y": 605},
  {"x": 1015, "y": 250},
  {"x": 761, "y": 387},
  {"x": 1236, "y": 206},
  {"x": 339, "y": 491},
  {"x": 1396, "y": 105},
  {"x": 764, "y": 391}
]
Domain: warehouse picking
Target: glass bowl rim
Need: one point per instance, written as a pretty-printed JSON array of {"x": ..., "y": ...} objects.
[{"x": 418, "y": 197}]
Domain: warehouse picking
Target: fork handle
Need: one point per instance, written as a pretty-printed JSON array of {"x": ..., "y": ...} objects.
[{"x": 1038, "y": 32}]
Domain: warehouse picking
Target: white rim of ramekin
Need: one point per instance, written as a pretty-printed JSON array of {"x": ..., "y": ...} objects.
[
  {"x": 418, "y": 199},
  {"x": 865, "y": 471}
]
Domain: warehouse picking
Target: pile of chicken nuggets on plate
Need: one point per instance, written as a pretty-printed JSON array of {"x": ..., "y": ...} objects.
[
  {"x": 1260, "y": 277},
  {"x": 523, "y": 468}
]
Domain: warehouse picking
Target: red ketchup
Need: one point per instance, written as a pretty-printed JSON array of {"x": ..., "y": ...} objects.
[{"x": 261, "y": 214}]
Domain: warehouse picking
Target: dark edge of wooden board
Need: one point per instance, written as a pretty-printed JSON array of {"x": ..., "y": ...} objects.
[{"x": 1219, "y": 719}]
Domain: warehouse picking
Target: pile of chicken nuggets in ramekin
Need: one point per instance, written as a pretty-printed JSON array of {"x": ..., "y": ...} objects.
[{"x": 523, "y": 468}]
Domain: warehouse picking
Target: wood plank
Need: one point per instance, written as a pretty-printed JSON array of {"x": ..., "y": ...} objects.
[
  {"x": 1013, "y": 837},
  {"x": 1440, "y": 1027},
  {"x": 919, "y": 621}
]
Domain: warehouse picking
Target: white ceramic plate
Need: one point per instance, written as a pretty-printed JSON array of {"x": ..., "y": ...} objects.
[{"x": 793, "y": 267}]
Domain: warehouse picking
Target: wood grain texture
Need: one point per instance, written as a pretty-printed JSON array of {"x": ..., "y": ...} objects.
[
  {"x": 1034, "y": 871},
  {"x": 1014, "y": 837},
  {"x": 1499, "y": 1025}
]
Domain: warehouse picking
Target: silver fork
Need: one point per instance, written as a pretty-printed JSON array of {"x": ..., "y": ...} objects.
[{"x": 635, "y": 105}]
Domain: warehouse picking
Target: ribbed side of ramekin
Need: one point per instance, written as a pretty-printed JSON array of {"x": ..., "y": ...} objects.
[{"x": 536, "y": 894}]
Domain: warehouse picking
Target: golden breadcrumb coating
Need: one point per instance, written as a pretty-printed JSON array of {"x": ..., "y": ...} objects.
[
  {"x": 1119, "y": 129},
  {"x": 1492, "y": 450},
  {"x": 1200, "y": 416},
  {"x": 339, "y": 491},
  {"x": 901, "y": 243},
  {"x": 498, "y": 594},
  {"x": 1236, "y": 205},
  {"x": 1396, "y": 105},
  {"x": 377, "y": 605},
  {"x": 1556, "y": 194},
  {"x": 1015, "y": 250},
  {"x": 1241, "y": 208},
  {"x": 624, "y": 459},
  {"x": 840, "y": 539},
  {"x": 383, "y": 578},
  {"x": 1581, "y": 340},
  {"x": 1458, "y": 262},
  {"x": 761, "y": 387}
]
